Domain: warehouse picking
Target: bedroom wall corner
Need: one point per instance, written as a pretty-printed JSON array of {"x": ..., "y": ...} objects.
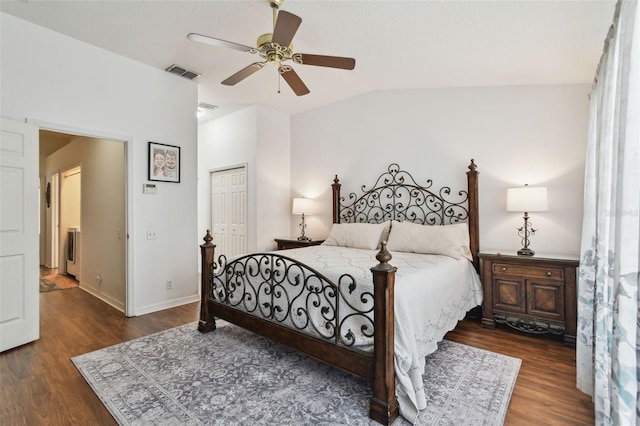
[
  {"x": 226, "y": 142},
  {"x": 259, "y": 137}
]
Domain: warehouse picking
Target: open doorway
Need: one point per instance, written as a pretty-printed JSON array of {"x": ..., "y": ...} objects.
[{"x": 85, "y": 211}]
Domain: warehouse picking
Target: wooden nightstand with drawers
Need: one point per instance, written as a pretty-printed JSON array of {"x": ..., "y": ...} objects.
[
  {"x": 534, "y": 294},
  {"x": 285, "y": 244}
]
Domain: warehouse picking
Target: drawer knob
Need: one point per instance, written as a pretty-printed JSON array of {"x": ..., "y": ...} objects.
[
  {"x": 548, "y": 273},
  {"x": 504, "y": 269}
]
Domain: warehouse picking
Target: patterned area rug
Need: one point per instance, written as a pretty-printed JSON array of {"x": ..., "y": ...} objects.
[
  {"x": 231, "y": 377},
  {"x": 57, "y": 282}
]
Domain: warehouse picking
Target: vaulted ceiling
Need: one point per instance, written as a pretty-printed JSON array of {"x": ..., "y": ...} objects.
[{"x": 396, "y": 44}]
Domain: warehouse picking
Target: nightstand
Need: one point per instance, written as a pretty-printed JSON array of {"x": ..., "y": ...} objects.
[
  {"x": 285, "y": 244},
  {"x": 532, "y": 294}
]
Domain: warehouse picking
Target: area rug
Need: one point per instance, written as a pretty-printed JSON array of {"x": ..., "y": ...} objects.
[
  {"x": 234, "y": 377},
  {"x": 56, "y": 282}
]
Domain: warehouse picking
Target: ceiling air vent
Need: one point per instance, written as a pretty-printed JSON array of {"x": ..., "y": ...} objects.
[
  {"x": 207, "y": 106},
  {"x": 174, "y": 69}
]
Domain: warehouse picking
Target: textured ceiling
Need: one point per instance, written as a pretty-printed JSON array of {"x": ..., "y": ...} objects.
[{"x": 396, "y": 44}]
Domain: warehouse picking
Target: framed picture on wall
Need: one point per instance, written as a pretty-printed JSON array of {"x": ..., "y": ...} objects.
[{"x": 164, "y": 162}]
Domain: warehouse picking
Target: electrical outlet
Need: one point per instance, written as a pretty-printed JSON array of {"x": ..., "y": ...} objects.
[
  {"x": 99, "y": 278},
  {"x": 151, "y": 235},
  {"x": 169, "y": 284}
]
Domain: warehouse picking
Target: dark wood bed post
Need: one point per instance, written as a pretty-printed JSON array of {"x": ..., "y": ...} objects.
[
  {"x": 335, "y": 187},
  {"x": 207, "y": 322},
  {"x": 383, "y": 407},
  {"x": 474, "y": 231}
]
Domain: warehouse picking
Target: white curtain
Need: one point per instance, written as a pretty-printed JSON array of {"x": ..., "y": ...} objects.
[{"x": 608, "y": 338}]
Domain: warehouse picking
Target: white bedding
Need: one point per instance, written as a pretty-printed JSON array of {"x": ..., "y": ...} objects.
[{"x": 432, "y": 293}]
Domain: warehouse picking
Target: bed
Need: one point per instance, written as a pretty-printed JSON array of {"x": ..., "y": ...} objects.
[{"x": 322, "y": 301}]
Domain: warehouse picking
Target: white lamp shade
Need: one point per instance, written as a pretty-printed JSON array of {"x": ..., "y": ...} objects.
[
  {"x": 527, "y": 199},
  {"x": 302, "y": 205}
]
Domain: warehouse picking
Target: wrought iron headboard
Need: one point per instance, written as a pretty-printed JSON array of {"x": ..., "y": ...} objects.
[{"x": 396, "y": 195}]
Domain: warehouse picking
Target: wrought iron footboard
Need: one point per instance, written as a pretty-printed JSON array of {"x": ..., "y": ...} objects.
[{"x": 282, "y": 290}]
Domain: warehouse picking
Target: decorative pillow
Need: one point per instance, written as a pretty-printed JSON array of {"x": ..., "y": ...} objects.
[
  {"x": 356, "y": 235},
  {"x": 447, "y": 240}
]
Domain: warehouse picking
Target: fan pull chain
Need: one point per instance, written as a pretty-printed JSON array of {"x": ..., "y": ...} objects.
[{"x": 279, "y": 78}]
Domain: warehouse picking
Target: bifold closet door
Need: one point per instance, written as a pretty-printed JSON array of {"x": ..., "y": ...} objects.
[{"x": 229, "y": 211}]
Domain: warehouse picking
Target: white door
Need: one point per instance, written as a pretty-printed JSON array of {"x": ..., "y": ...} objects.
[
  {"x": 229, "y": 211},
  {"x": 19, "y": 288},
  {"x": 237, "y": 229}
]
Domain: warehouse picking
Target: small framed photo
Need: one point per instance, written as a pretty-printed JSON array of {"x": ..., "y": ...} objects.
[{"x": 164, "y": 162}]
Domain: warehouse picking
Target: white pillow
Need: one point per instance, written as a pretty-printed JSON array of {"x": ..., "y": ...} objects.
[
  {"x": 356, "y": 235},
  {"x": 448, "y": 240}
]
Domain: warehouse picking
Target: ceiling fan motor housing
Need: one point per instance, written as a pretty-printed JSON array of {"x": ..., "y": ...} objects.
[{"x": 273, "y": 52}]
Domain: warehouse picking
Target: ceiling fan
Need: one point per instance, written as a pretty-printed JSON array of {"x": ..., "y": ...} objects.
[{"x": 276, "y": 48}]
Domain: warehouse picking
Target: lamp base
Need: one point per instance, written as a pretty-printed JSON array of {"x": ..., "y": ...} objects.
[
  {"x": 303, "y": 238},
  {"x": 526, "y": 252}
]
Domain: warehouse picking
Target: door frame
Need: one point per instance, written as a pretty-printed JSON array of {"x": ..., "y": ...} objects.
[
  {"x": 62, "y": 236},
  {"x": 128, "y": 142},
  {"x": 55, "y": 220}
]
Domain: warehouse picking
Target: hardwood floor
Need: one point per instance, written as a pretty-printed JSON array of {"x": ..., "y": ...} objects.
[
  {"x": 545, "y": 391},
  {"x": 39, "y": 384}
]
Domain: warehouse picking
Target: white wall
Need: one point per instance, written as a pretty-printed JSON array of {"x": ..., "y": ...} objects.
[
  {"x": 517, "y": 135},
  {"x": 77, "y": 88},
  {"x": 273, "y": 178},
  {"x": 258, "y": 137}
]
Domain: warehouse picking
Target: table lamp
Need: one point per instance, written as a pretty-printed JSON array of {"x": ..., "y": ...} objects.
[
  {"x": 302, "y": 206},
  {"x": 526, "y": 199}
]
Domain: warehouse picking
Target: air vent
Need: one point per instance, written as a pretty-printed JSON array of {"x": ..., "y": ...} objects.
[
  {"x": 207, "y": 106},
  {"x": 175, "y": 69}
]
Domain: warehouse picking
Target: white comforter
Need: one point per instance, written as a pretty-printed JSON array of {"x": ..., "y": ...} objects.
[{"x": 432, "y": 293}]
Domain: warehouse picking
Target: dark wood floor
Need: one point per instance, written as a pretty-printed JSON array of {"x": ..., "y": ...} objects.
[
  {"x": 39, "y": 384},
  {"x": 545, "y": 391}
]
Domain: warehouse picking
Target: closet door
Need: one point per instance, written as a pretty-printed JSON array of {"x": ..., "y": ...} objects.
[{"x": 229, "y": 211}]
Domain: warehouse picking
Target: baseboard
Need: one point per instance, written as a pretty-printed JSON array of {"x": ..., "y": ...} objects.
[
  {"x": 142, "y": 310},
  {"x": 106, "y": 299}
]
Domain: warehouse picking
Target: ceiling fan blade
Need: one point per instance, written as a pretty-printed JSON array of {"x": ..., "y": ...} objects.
[
  {"x": 325, "y": 61},
  {"x": 286, "y": 26},
  {"x": 293, "y": 80},
  {"x": 243, "y": 73},
  {"x": 218, "y": 42}
]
